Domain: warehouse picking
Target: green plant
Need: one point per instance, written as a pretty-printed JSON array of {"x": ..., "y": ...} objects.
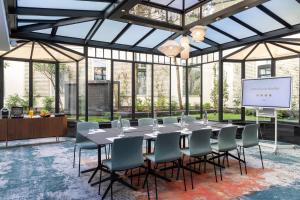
[
  {"x": 16, "y": 100},
  {"x": 48, "y": 104},
  {"x": 162, "y": 103},
  {"x": 174, "y": 105},
  {"x": 206, "y": 106}
]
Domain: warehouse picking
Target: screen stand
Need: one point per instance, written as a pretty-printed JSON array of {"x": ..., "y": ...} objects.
[{"x": 271, "y": 113}]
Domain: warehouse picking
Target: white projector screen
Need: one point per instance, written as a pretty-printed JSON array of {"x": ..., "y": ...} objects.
[{"x": 267, "y": 92}]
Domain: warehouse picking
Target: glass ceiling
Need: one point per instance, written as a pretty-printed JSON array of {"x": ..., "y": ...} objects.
[{"x": 240, "y": 26}]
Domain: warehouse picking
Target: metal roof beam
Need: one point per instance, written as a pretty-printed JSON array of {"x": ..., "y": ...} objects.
[
  {"x": 223, "y": 32},
  {"x": 246, "y": 25},
  {"x": 121, "y": 33},
  {"x": 144, "y": 37}
]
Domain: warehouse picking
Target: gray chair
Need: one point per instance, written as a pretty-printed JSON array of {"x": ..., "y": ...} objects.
[
  {"x": 189, "y": 119},
  {"x": 170, "y": 120},
  {"x": 125, "y": 123},
  {"x": 126, "y": 154},
  {"x": 145, "y": 121},
  {"x": 199, "y": 146},
  {"x": 166, "y": 150},
  {"x": 250, "y": 139},
  {"x": 227, "y": 143},
  {"x": 82, "y": 142}
]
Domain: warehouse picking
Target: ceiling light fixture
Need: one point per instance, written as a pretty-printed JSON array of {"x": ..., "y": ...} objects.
[
  {"x": 170, "y": 48},
  {"x": 185, "y": 43},
  {"x": 198, "y": 33}
]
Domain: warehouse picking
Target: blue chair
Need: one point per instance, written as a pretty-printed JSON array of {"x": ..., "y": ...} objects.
[
  {"x": 82, "y": 142},
  {"x": 250, "y": 139},
  {"x": 127, "y": 154},
  {"x": 170, "y": 120},
  {"x": 166, "y": 151},
  {"x": 227, "y": 143},
  {"x": 189, "y": 119},
  {"x": 125, "y": 123},
  {"x": 199, "y": 146},
  {"x": 145, "y": 121}
]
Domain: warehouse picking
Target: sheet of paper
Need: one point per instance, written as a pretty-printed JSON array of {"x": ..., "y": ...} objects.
[{"x": 112, "y": 138}]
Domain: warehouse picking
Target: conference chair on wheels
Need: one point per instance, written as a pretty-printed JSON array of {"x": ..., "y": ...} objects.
[
  {"x": 199, "y": 147},
  {"x": 166, "y": 151},
  {"x": 127, "y": 154},
  {"x": 82, "y": 142},
  {"x": 227, "y": 143},
  {"x": 250, "y": 139}
]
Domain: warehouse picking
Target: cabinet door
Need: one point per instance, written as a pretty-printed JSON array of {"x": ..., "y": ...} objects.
[{"x": 3, "y": 129}]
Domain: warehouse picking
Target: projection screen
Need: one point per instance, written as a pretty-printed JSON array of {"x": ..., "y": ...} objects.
[{"x": 267, "y": 92}]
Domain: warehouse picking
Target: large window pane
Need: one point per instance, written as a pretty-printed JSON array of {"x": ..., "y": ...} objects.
[
  {"x": 99, "y": 84},
  {"x": 210, "y": 90},
  {"x": 143, "y": 90},
  {"x": 161, "y": 89},
  {"x": 231, "y": 91},
  {"x": 290, "y": 68},
  {"x": 81, "y": 85},
  {"x": 194, "y": 90},
  {"x": 253, "y": 70},
  {"x": 67, "y": 82},
  {"x": 122, "y": 89},
  {"x": 178, "y": 90},
  {"x": 44, "y": 87},
  {"x": 16, "y": 84}
]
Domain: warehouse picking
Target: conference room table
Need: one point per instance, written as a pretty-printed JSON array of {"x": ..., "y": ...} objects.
[{"x": 102, "y": 137}]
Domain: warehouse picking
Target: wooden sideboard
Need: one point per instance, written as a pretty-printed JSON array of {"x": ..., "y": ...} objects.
[{"x": 31, "y": 128}]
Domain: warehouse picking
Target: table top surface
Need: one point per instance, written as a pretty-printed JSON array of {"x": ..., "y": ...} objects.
[{"x": 106, "y": 136}]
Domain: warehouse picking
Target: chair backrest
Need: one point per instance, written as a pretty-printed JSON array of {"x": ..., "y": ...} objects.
[
  {"x": 189, "y": 119},
  {"x": 199, "y": 142},
  {"x": 170, "y": 120},
  {"x": 145, "y": 121},
  {"x": 84, "y": 127},
  {"x": 226, "y": 138},
  {"x": 167, "y": 147},
  {"x": 127, "y": 153},
  {"x": 249, "y": 135},
  {"x": 125, "y": 123}
]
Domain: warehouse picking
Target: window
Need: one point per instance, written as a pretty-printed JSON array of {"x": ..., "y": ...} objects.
[
  {"x": 178, "y": 82},
  {"x": 264, "y": 71},
  {"x": 16, "y": 84},
  {"x": 143, "y": 90},
  {"x": 210, "y": 89},
  {"x": 81, "y": 85},
  {"x": 231, "y": 91},
  {"x": 194, "y": 90}
]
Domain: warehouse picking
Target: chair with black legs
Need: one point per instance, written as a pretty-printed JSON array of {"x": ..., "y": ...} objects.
[
  {"x": 227, "y": 143},
  {"x": 126, "y": 155},
  {"x": 250, "y": 139},
  {"x": 199, "y": 147},
  {"x": 166, "y": 151},
  {"x": 82, "y": 142},
  {"x": 145, "y": 121}
]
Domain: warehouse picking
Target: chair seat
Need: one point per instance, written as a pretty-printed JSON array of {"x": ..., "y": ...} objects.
[
  {"x": 240, "y": 143},
  {"x": 216, "y": 148},
  {"x": 168, "y": 159},
  {"x": 87, "y": 145},
  {"x": 108, "y": 164},
  {"x": 188, "y": 153}
]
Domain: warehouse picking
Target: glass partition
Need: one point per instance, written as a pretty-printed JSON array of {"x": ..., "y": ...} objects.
[
  {"x": 194, "y": 91},
  {"x": 178, "y": 98},
  {"x": 81, "y": 85}
]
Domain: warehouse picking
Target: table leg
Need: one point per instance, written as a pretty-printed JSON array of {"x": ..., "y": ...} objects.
[{"x": 98, "y": 165}]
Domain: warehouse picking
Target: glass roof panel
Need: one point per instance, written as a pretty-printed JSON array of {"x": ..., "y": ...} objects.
[
  {"x": 216, "y": 36},
  {"x": 108, "y": 30},
  {"x": 64, "y": 4},
  {"x": 162, "y": 2},
  {"x": 288, "y": 10},
  {"x": 176, "y": 4},
  {"x": 79, "y": 30},
  {"x": 260, "y": 52},
  {"x": 155, "y": 38},
  {"x": 44, "y": 31},
  {"x": 40, "y": 53},
  {"x": 241, "y": 55},
  {"x": 22, "y": 52},
  {"x": 189, "y": 3},
  {"x": 259, "y": 20},
  {"x": 295, "y": 47},
  {"x": 233, "y": 28},
  {"x": 200, "y": 45},
  {"x": 133, "y": 34},
  {"x": 57, "y": 55},
  {"x": 278, "y": 52}
]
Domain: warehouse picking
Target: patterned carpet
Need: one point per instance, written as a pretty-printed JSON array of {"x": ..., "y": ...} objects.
[{"x": 44, "y": 171}]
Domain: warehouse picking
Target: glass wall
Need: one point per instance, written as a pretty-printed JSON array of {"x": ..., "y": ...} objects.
[
  {"x": 16, "y": 85},
  {"x": 161, "y": 87},
  {"x": 43, "y": 87},
  {"x": 99, "y": 84},
  {"x": 67, "y": 89},
  {"x": 194, "y": 91},
  {"x": 232, "y": 91},
  {"x": 122, "y": 100},
  {"x": 210, "y": 89},
  {"x": 253, "y": 70},
  {"x": 81, "y": 85},
  {"x": 143, "y": 90},
  {"x": 290, "y": 68},
  {"x": 178, "y": 82}
]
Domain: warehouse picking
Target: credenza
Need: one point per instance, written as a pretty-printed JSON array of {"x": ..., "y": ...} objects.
[{"x": 32, "y": 128}]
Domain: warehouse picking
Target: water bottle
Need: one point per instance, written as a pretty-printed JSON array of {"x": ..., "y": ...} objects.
[{"x": 205, "y": 118}]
